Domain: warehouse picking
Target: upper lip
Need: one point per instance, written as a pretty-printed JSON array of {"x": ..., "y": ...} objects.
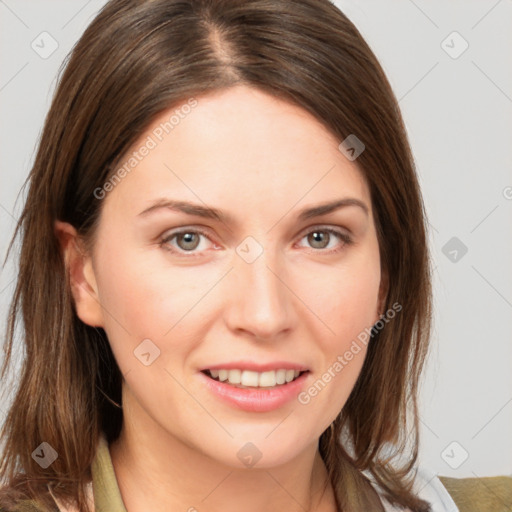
[{"x": 257, "y": 367}]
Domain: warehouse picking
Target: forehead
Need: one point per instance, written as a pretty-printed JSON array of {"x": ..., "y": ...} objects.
[{"x": 242, "y": 147}]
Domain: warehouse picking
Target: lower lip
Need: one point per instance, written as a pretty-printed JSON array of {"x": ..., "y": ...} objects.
[{"x": 257, "y": 399}]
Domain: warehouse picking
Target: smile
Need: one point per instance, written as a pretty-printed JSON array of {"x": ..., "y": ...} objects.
[
  {"x": 251, "y": 379},
  {"x": 255, "y": 391}
]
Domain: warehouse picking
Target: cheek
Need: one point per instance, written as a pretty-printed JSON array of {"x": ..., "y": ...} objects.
[
  {"x": 346, "y": 300},
  {"x": 143, "y": 299},
  {"x": 350, "y": 315},
  {"x": 347, "y": 304}
]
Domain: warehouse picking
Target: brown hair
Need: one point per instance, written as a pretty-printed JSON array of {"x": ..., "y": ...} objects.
[{"x": 136, "y": 59}]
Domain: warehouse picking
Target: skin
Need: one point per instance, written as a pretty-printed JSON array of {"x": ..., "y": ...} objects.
[{"x": 262, "y": 160}]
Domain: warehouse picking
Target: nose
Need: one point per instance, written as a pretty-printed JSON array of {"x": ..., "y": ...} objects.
[{"x": 260, "y": 302}]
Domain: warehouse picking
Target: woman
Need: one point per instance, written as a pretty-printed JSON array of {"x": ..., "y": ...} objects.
[{"x": 224, "y": 277}]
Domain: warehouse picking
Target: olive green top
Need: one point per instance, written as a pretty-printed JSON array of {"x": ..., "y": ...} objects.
[
  {"x": 107, "y": 497},
  {"x": 483, "y": 494}
]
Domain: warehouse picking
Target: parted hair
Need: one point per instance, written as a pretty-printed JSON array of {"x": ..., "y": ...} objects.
[{"x": 136, "y": 59}]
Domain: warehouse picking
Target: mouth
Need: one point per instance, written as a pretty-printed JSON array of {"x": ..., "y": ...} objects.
[
  {"x": 249, "y": 379},
  {"x": 255, "y": 386}
]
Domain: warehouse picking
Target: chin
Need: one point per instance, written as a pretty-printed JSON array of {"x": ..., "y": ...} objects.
[{"x": 262, "y": 450}]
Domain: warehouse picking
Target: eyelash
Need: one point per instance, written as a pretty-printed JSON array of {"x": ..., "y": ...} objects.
[{"x": 164, "y": 243}]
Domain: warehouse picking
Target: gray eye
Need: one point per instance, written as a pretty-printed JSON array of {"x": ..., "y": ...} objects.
[
  {"x": 189, "y": 243},
  {"x": 319, "y": 237}
]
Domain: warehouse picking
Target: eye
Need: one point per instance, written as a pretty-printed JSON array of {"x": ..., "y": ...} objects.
[
  {"x": 321, "y": 237},
  {"x": 185, "y": 241}
]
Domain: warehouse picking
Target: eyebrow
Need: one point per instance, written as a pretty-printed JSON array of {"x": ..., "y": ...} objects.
[{"x": 222, "y": 216}]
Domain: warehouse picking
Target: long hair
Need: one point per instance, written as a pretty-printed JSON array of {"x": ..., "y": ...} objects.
[{"x": 137, "y": 59}]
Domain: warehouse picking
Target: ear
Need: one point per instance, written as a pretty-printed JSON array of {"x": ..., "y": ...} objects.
[{"x": 81, "y": 274}]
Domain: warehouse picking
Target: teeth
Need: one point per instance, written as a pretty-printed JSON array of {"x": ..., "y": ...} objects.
[
  {"x": 267, "y": 379},
  {"x": 249, "y": 378},
  {"x": 235, "y": 376}
]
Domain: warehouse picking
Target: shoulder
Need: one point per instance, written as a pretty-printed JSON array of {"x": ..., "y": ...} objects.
[{"x": 480, "y": 494}]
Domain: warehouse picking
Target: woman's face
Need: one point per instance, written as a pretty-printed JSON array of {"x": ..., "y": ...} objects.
[{"x": 255, "y": 289}]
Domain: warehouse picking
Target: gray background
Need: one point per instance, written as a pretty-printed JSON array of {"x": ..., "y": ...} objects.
[{"x": 457, "y": 107}]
